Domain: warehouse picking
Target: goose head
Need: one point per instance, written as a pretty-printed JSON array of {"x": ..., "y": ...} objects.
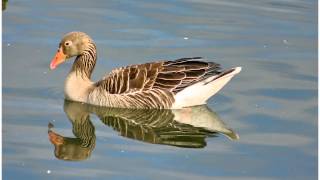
[
  {"x": 72, "y": 44},
  {"x": 69, "y": 149}
]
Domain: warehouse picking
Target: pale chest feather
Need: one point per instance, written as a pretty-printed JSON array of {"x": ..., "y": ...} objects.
[{"x": 77, "y": 88}]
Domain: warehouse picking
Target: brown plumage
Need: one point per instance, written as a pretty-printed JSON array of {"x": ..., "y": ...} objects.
[
  {"x": 187, "y": 127},
  {"x": 172, "y": 76},
  {"x": 162, "y": 84}
]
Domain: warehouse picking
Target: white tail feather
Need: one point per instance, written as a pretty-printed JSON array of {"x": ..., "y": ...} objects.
[{"x": 200, "y": 92}]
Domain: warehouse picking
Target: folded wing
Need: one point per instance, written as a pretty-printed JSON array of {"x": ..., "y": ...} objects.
[{"x": 169, "y": 76}]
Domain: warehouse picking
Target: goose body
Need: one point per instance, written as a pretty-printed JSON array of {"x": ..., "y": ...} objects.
[
  {"x": 187, "y": 127},
  {"x": 163, "y": 84}
]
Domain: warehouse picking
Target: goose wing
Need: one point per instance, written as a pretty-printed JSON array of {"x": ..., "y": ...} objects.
[{"x": 169, "y": 76}]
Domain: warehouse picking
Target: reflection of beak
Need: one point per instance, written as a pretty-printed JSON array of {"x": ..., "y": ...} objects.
[
  {"x": 55, "y": 138},
  {"x": 58, "y": 59}
]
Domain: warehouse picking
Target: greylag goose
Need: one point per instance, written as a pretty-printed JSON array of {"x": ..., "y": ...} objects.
[
  {"x": 163, "y": 85},
  {"x": 187, "y": 127}
]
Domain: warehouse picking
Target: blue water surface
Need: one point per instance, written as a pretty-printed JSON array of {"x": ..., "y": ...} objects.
[{"x": 271, "y": 104}]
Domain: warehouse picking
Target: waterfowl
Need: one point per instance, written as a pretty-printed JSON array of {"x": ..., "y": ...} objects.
[
  {"x": 163, "y": 84},
  {"x": 187, "y": 127}
]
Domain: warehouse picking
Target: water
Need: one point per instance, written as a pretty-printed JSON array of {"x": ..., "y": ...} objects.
[{"x": 271, "y": 105}]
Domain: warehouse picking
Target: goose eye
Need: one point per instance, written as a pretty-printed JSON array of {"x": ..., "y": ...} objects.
[{"x": 67, "y": 43}]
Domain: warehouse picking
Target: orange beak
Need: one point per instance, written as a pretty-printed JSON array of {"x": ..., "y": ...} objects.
[
  {"x": 55, "y": 138},
  {"x": 58, "y": 59}
]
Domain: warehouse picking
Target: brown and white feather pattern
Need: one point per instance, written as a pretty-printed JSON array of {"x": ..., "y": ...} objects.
[
  {"x": 150, "y": 85},
  {"x": 162, "y": 85},
  {"x": 84, "y": 64}
]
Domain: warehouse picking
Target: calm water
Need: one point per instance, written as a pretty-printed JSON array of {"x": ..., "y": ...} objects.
[{"x": 271, "y": 105}]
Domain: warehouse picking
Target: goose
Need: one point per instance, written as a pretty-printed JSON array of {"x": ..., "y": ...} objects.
[
  {"x": 185, "y": 128},
  {"x": 163, "y": 84}
]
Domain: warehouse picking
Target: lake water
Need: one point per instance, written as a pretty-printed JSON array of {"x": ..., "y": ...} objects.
[{"x": 265, "y": 119}]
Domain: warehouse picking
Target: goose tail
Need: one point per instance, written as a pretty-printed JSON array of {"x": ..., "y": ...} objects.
[{"x": 199, "y": 93}]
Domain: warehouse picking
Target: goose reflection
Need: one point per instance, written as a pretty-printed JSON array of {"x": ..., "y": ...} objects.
[{"x": 186, "y": 127}]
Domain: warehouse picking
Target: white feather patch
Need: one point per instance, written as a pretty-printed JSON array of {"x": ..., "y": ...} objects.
[{"x": 200, "y": 92}]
